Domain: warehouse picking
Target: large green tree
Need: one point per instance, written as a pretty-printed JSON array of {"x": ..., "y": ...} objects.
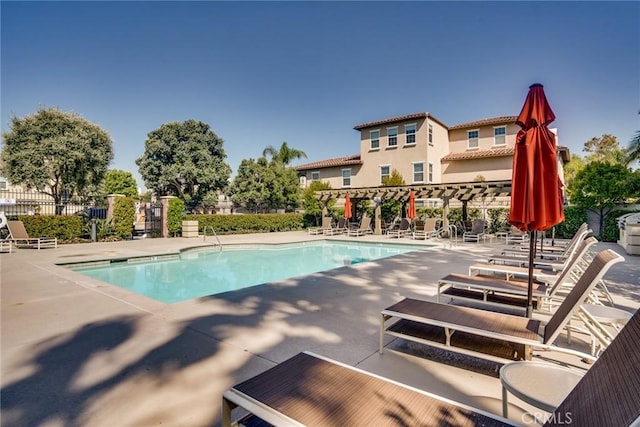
[
  {"x": 604, "y": 148},
  {"x": 117, "y": 181},
  {"x": 313, "y": 206},
  {"x": 250, "y": 187},
  {"x": 58, "y": 153},
  {"x": 284, "y": 154},
  {"x": 185, "y": 159},
  {"x": 601, "y": 187}
]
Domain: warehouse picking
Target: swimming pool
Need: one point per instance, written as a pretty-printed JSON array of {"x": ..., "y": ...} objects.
[{"x": 200, "y": 273}]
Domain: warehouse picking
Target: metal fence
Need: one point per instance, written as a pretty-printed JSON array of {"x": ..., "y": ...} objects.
[{"x": 15, "y": 202}]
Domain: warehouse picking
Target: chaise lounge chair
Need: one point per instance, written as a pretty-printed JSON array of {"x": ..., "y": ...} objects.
[
  {"x": 315, "y": 391},
  {"x": 340, "y": 228},
  {"x": 326, "y": 225},
  {"x": 496, "y": 291},
  {"x": 516, "y": 235},
  {"x": 403, "y": 230},
  {"x": 427, "y": 230},
  {"x": 18, "y": 234},
  {"x": 363, "y": 228},
  {"x": 476, "y": 233},
  {"x": 488, "y": 334}
]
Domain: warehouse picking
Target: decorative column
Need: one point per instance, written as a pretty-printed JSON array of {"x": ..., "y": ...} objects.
[
  {"x": 445, "y": 214},
  {"x": 111, "y": 201},
  {"x": 164, "y": 201}
]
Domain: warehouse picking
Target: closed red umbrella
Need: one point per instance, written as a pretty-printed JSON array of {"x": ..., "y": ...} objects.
[
  {"x": 347, "y": 207},
  {"x": 536, "y": 201},
  {"x": 411, "y": 212}
]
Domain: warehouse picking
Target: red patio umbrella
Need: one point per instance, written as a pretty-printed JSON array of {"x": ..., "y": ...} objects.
[
  {"x": 347, "y": 207},
  {"x": 411, "y": 212},
  {"x": 536, "y": 202}
]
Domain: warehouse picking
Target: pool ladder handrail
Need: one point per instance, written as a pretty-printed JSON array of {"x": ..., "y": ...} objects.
[{"x": 213, "y": 233}]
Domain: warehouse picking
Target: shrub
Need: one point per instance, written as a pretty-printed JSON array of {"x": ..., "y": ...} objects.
[
  {"x": 65, "y": 228},
  {"x": 611, "y": 231},
  {"x": 124, "y": 213},
  {"x": 175, "y": 214},
  {"x": 252, "y": 223},
  {"x": 574, "y": 216}
]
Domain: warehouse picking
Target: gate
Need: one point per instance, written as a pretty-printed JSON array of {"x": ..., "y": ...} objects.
[{"x": 148, "y": 220}]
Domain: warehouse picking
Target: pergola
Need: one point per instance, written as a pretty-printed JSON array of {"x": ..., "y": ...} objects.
[{"x": 460, "y": 191}]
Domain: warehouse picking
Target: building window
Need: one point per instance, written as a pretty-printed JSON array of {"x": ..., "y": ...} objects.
[
  {"x": 410, "y": 134},
  {"x": 392, "y": 137},
  {"x": 385, "y": 173},
  {"x": 430, "y": 134},
  {"x": 499, "y": 135},
  {"x": 346, "y": 177},
  {"x": 418, "y": 172},
  {"x": 430, "y": 173},
  {"x": 473, "y": 139},
  {"x": 315, "y": 176},
  {"x": 303, "y": 181},
  {"x": 375, "y": 139}
]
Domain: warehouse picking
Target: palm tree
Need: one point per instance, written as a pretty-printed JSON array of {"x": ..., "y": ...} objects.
[
  {"x": 633, "y": 152},
  {"x": 284, "y": 155}
]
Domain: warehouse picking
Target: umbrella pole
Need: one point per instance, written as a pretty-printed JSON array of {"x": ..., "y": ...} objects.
[{"x": 532, "y": 248}]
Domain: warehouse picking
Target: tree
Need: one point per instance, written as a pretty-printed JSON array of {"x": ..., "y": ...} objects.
[
  {"x": 58, "y": 153},
  {"x": 571, "y": 169},
  {"x": 184, "y": 159},
  {"x": 391, "y": 209},
  {"x": 284, "y": 154},
  {"x": 601, "y": 187},
  {"x": 313, "y": 206},
  {"x": 604, "y": 148},
  {"x": 633, "y": 152},
  {"x": 117, "y": 181},
  {"x": 250, "y": 186}
]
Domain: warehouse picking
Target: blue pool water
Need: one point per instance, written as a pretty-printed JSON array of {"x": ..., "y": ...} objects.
[{"x": 201, "y": 273}]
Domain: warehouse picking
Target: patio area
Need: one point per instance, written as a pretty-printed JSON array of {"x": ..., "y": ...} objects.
[{"x": 79, "y": 352}]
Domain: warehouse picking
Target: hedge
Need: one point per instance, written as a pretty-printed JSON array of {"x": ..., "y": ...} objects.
[
  {"x": 64, "y": 227},
  {"x": 253, "y": 223}
]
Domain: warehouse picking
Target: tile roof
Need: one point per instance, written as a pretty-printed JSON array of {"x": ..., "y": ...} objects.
[
  {"x": 468, "y": 155},
  {"x": 353, "y": 159},
  {"x": 397, "y": 119},
  {"x": 502, "y": 120}
]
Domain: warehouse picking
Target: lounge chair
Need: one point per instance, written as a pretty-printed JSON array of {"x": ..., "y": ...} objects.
[
  {"x": 18, "y": 234},
  {"x": 340, "y": 228},
  {"x": 326, "y": 224},
  {"x": 557, "y": 248},
  {"x": 488, "y": 334},
  {"x": 427, "y": 230},
  {"x": 516, "y": 235},
  {"x": 363, "y": 228},
  {"x": 476, "y": 233},
  {"x": 403, "y": 230},
  {"x": 311, "y": 390},
  {"x": 495, "y": 291}
]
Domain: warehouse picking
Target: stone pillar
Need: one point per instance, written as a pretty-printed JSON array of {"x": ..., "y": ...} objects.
[
  {"x": 445, "y": 215},
  {"x": 164, "y": 201},
  {"x": 111, "y": 201},
  {"x": 325, "y": 211},
  {"x": 378, "y": 228}
]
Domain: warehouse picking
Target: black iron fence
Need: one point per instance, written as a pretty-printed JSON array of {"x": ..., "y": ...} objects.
[{"x": 15, "y": 202}]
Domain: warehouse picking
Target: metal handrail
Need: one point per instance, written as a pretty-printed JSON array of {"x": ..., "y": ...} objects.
[{"x": 213, "y": 233}]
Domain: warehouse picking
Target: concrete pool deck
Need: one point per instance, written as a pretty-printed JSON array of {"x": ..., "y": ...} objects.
[{"x": 79, "y": 352}]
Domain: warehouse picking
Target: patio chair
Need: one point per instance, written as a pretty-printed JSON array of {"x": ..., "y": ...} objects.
[
  {"x": 428, "y": 229},
  {"x": 558, "y": 251},
  {"x": 488, "y": 334},
  {"x": 496, "y": 291},
  {"x": 340, "y": 228},
  {"x": 312, "y": 390},
  {"x": 476, "y": 233},
  {"x": 403, "y": 230},
  {"x": 326, "y": 224},
  {"x": 19, "y": 236},
  {"x": 516, "y": 235},
  {"x": 363, "y": 229}
]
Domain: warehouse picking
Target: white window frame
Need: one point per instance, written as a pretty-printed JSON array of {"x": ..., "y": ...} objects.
[
  {"x": 429, "y": 173},
  {"x": 504, "y": 136},
  {"x": 348, "y": 170},
  {"x": 406, "y": 135},
  {"x": 413, "y": 176},
  {"x": 371, "y": 147},
  {"x": 303, "y": 181},
  {"x": 430, "y": 134},
  {"x": 315, "y": 173},
  {"x": 388, "y": 175},
  {"x": 477, "y": 139},
  {"x": 395, "y": 137}
]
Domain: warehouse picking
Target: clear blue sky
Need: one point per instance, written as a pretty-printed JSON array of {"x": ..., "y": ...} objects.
[{"x": 260, "y": 73}]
